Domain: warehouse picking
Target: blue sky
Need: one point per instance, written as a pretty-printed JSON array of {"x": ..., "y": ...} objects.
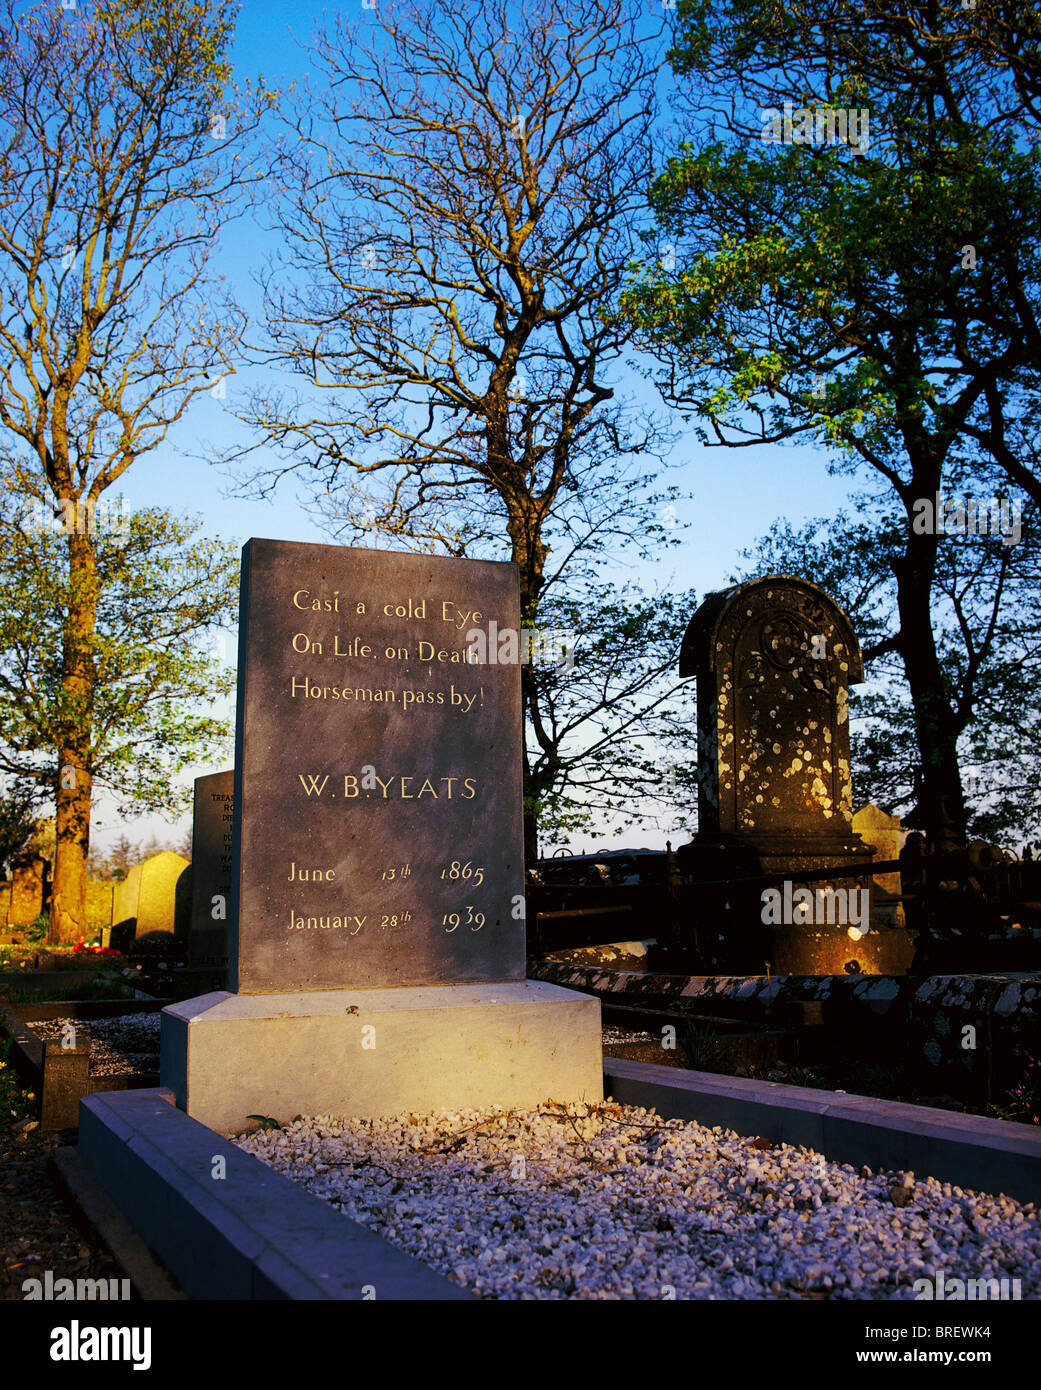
[{"x": 737, "y": 493}]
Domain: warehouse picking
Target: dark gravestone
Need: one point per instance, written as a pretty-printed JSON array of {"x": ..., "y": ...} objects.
[
  {"x": 377, "y": 916},
  {"x": 774, "y": 659},
  {"x": 211, "y": 868},
  {"x": 377, "y": 831}
]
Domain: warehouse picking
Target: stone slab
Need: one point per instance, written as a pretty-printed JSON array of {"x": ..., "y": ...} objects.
[
  {"x": 377, "y": 832},
  {"x": 968, "y": 1150},
  {"x": 124, "y": 904},
  {"x": 882, "y": 832},
  {"x": 211, "y": 868},
  {"x": 783, "y": 1114},
  {"x": 66, "y": 1080},
  {"x": 164, "y": 896},
  {"x": 29, "y": 890},
  {"x": 148, "y": 1279},
  {"x": 380, "y": 1051},
  {"x": 251, "y": 1234}
]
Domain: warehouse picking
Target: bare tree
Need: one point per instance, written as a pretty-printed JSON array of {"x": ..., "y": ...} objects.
[
  {"x": 117, "y": 168},
  {"x": 459, "y": 206}
]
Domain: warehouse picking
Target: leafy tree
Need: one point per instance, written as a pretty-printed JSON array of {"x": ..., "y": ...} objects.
[
  {"x": 878, "y": 299},
  {"x": 457, "y": 211},
  {"x": 146, "y": 705},
  {"x": 19, "y": 802},
  {"x": 117, "y": 169}
]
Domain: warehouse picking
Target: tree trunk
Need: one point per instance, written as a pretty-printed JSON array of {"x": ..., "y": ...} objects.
[
  {"x": 531, "y": 819},
  {"x": 74, "y": 783},
  {"x": 68, "y": 916},
  {"x": 941, "y": 805},
  {"x": 529, "y": 554}
]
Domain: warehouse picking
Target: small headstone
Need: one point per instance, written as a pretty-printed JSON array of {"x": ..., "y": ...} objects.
[
  {"x": 211, "y": 868},
  {"x": 124, "y": 907},
  {"x": 883, "y": 833},
  {"x": 65, "y": 1081},
  {"x": 29, "y": 875},
  {"x": 155, "y": 897},
  {"x": 164, "y": 896},
  {"x": 377, "y": 796}
]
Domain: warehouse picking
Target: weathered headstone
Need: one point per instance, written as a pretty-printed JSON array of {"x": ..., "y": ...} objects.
[
  {"x": 155, "y": 897},
  {"x": 164, "y": 897},
  {"x": 377, "y": 915},
  {"x": 774, "y": 659},
  {"x": 99, "y": 903},
  {"x": 882, "y": 833},
  {"x": 28, "y": 889},
  {"x": 211, "y": 868},
  {"x": 124, "y": 909}
]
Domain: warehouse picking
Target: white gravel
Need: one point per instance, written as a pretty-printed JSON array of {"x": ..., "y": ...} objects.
[
  {"x": 614, "y": 1202},
  {"x": 119, "y": 1046},
  {"x": 613, "y": 1036}
]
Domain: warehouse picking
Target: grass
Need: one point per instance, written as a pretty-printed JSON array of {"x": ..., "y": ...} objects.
[
  {"x": 96, "y": 988},
  {"x": 880, "y": 1080},
  {"x": 1022, "y": 1102},
  {"x": 701, "y": 1045},
  {"x": 36, "y": 934}
]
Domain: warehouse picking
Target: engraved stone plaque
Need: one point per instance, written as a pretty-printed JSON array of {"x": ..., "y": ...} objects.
[{"x": 377, "y": 803}]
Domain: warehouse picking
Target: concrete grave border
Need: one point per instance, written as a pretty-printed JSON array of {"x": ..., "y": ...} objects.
[
  {"x": 257, "y": 1235},
  {"x": 252, "y": 1234},
  {"x": 971, "y": 1151},
  {"x": 60, "y": 1076}
]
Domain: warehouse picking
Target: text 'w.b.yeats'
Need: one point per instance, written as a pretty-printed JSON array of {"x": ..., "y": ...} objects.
[{"x": 378, "y": 795}]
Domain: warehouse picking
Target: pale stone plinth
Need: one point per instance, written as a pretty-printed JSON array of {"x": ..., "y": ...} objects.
[{"x": 372, "y": 1052}]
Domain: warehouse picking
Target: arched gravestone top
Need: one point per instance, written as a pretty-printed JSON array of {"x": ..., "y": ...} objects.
[
  {"x": 774, "y": 659},
  {"x": 163, "y": 903}
]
